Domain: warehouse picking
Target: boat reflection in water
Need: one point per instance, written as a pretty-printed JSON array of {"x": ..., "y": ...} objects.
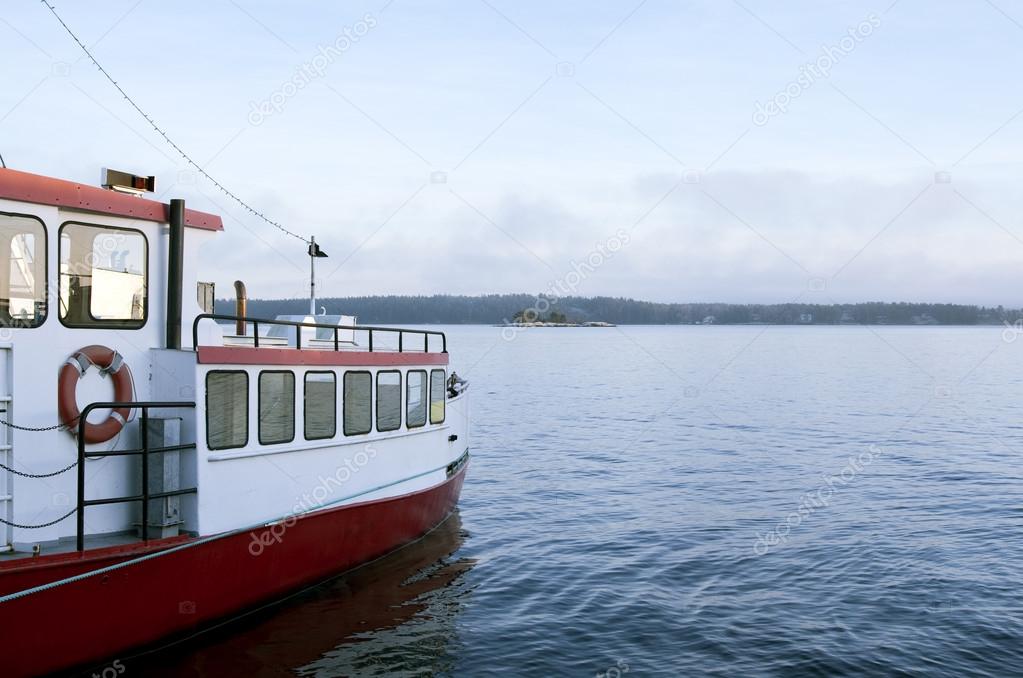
[{"x": 395, "y": 615}]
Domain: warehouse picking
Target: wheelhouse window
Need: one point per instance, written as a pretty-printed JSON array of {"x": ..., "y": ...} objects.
[
  {"x": 437, "y": 396},
  {"x": 320, "y": 413},
  {"x": 388, "y": 400},
  {"x": 358, "y": 404},
  {"x": 103, "y": 276},
  {"x": 23, "y": 284},
  {"x": 415, "y": 399},
  {"x": 276, "y": 407},
  {"x": 227, "y": 409}
]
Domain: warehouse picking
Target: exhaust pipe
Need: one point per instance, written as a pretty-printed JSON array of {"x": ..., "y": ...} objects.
[
  {"x": 175, "y": 264},
  {"x": 240, "y": 305}
]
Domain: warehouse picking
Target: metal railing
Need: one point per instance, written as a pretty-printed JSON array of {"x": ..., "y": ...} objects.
[
  {"x": 336, "y": 329},
  {"x": 143, "y": 451}
]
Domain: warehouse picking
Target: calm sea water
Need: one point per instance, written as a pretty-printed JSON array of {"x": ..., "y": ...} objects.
[{"x": 778, "y": 501}]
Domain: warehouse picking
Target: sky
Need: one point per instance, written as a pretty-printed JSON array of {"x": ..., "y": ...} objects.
[{"x": 753, "y": 151}]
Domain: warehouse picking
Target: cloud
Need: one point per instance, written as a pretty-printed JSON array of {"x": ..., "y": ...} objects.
[
  {"x": 823, "y": 189},
  {"x": 757, "y": 236}
]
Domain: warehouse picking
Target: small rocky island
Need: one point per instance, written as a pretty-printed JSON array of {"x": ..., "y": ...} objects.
[{"x": 532, "y": 318}]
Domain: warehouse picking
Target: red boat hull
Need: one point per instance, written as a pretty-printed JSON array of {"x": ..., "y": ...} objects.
[{"x": 177, "y": 586}]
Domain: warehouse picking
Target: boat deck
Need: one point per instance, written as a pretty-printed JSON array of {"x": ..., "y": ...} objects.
[{"x": 67, "y": 545}]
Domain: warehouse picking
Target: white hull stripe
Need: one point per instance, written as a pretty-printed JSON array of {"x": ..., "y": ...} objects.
[{"x": 222, "y": 535}]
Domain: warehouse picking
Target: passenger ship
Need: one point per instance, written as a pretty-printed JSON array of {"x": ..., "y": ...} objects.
[{"x": 163, "y": 467}]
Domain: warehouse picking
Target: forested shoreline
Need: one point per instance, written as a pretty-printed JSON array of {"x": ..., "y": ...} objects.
[{"x": 501, "y": 308}]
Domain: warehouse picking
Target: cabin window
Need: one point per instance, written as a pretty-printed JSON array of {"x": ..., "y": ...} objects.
[
  {"x": 103, "y": 276},
  {"x": 437, "y": 396},
  {"x": 23, "y": 284},
  {"x": 415, "y": 399},
  {"x": 320, "y": 414},
  {"x": 276, "y": 407},
  {"x": 227, "y": 409},
  {"x": 388, "y": 400},
  {"x": 358, "y": 403}
]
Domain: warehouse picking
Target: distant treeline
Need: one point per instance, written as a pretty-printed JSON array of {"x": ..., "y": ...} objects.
[{"x": 498, "y": 308}]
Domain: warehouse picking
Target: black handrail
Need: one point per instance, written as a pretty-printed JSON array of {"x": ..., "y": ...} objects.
[
  {"x": 335, "y": 328},
  {"x": 144, "y": 451}
]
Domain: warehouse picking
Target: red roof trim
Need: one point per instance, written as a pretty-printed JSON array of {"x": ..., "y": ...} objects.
[
  {"x": 15, "y": 185},
  {"x": 244, "y": 355}
]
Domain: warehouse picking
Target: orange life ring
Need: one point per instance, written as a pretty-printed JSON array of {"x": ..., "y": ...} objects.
[{"x": 109, "y": 361}]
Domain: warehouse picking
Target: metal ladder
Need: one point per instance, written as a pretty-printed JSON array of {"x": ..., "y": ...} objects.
[{"x": 6, "y": 449}]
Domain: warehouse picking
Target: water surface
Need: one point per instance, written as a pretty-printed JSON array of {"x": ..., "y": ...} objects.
[{"x": 777, "y": 501}]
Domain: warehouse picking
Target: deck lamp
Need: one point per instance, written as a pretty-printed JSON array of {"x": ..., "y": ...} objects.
[
  {"x": 125, "y": 182},
  {"x": 314, "y": 253}
]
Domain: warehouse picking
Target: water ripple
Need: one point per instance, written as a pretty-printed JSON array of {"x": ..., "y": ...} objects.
[{"x": 601, "y": 529}]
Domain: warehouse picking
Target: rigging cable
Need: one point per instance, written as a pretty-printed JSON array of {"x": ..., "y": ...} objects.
[
  {"x": 2, "y": 163},
  {"x": 152, "y": 123}
]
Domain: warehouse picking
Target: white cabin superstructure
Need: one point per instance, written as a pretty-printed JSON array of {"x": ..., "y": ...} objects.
[
  {"x": 317, "y": 413},
  {"x": 37, "y": 344}
]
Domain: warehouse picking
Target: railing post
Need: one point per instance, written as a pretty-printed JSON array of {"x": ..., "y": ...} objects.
[
  {"x": 144, "y": 497},
  {"x": 144, "y": 423},
  {"x": 81, "y": 481},
  {"x": 299, "y": 326}
]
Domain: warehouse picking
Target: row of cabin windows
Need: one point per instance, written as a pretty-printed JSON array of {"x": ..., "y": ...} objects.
[
  {"x": 103, "y": 280},
  {"x": 227, "y": 404}
]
